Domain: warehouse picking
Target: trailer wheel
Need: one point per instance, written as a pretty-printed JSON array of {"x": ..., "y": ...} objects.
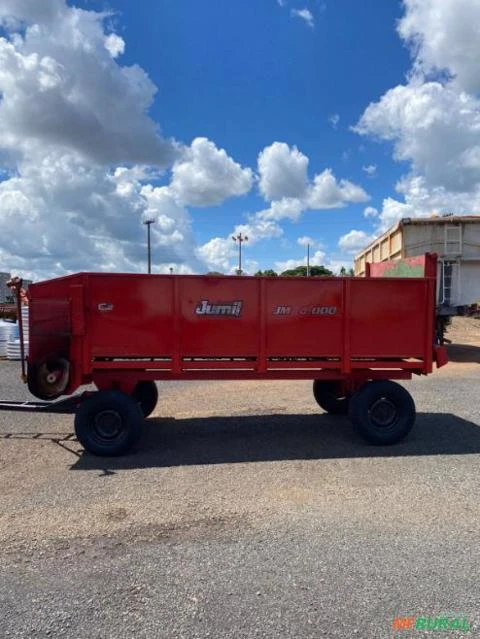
[
  {"x": 146, "y": 394},
  {"x": 49, "y": 378},
  {"x": 383, "y": 412},
  {"x": 329, "y": 396},
  {"x": 108, "y": 423}
]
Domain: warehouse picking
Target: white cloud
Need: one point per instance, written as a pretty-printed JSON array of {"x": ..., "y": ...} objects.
[
  {"x": 432, "y": 126},
  {"x": 286, "y": 208},
  {"x": 328, "y": 193},
  {"x": 443, "y": 35},
  {"x": 334, "y": 119},
  {"x": 217, "y": 253},
  {"x": 207, "y": 176},
  {"x": 282, "y": 171},
  {"x": 370, "y": 170},
  {"x": 433, "y": 120},
  {"x": 114, "y": 44},
  {"x": 70, "y": 115},
  {"x": 354, "y": 241},
  {"x": 60, "y": 86},
  {"x": 370, "y": 211},
  {"x": 316, "y": 259},
  {"x": 284, "y": 180},
  {"x": 305, "y": 241},
  {"x": 14, "y": 11},
  {"x": 220, "y": 253},
  {"x": 304, "y": 14}
]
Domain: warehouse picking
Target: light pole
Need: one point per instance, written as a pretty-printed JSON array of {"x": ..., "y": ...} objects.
[
  {"x": 240, "y": 239},
  {"x": 149, "y": 221},
  {"x": 308, "y": 260}
]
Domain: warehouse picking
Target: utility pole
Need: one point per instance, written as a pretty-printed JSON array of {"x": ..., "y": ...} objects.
[
  {"x": 240, "y": 239},
  {"x": 149, "y": 222},
  {"x": 308, "y": 260}
]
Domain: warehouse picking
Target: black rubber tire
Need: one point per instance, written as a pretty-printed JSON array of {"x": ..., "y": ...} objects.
[
  {"x": 146, "y": 394},
  {"x": 107, "y": 411},
  {"x": 328, "y": 396},
  {"x": 34, "y": 370},
  {"x": 383, "y": 412}
]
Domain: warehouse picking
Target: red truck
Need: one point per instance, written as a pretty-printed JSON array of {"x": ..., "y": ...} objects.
[{"x": 122, "y": 332}]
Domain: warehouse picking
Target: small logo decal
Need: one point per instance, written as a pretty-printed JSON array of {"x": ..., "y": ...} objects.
[
  {"x": 105, "y": 306},
  {"x": 226, "y": 309}
]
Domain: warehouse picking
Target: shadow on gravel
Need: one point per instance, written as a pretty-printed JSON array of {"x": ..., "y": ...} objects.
[
  {"x": 225, "y": 440},
  {"x": 464, "y": 353}
]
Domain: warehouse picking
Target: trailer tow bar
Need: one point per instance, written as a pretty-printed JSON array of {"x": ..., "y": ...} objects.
[{"x": 66, "y": 406}]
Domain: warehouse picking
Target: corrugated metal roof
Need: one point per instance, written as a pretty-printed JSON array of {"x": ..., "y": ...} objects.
[
  {"x": 433, "y": 219},
  {"x": 444, "y": 219}
]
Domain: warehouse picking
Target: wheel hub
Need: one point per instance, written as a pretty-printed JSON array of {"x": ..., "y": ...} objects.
[
  {"x": 108, "y": 424},
  {"x": 383, "y": 412}
]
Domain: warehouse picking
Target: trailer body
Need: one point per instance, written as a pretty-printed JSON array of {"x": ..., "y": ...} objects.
[
  {"x": 123, "y": 332},
  {"x": 113, "y": 328}
]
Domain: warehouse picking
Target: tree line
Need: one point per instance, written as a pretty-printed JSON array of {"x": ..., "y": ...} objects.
[{"x": 299, "y": 271}]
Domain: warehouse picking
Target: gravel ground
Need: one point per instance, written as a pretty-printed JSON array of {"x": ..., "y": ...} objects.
[{"x": 246, "y": 512}]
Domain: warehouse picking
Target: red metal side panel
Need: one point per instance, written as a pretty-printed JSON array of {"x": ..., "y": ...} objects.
[
  {"x": 50, "y": 317},
  {"x": 220, "y": 316},
  {"x": 130, "y": 315},
  {"x": 388, "y": 317},
  {"x": 304, "y": 317}
]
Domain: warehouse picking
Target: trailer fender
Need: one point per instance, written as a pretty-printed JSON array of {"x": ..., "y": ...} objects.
[{"x": 440, "y": 356}]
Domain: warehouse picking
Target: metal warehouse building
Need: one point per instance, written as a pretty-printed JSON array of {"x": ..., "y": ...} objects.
[{"x": 455, "y": 239}]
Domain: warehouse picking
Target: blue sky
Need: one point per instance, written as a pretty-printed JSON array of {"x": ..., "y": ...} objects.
[
  {"x": 246, "y": 74},
  {"x": 286, "y": 119}
]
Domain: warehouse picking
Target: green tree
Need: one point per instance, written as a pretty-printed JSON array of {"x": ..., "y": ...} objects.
[
  {"x": 301, "y": 271},
  {"x": 268, "y": 273}
]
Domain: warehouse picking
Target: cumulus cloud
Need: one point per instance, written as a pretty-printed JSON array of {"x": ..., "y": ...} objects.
[
  {"x": 433, "y": 121},
  {"x": 114, "y": 44},
  {"x": 432, "y": 126},
  {"x": 61, "y": 86},
  {"x": 207, "y": 176},
  {"x": 328, "y": 193},
  {"x": 70, "y": 117},
  {"x": 354, "y": 241},
  {"x": 13, "y": 12},
  {"x": 370, "y": 170},
  {"x": 305, "y": 241},
  {"x": 282, "y": 172},
  {"x": 370, "y": 211},
  {"x": 284, "y": 180},
  {"x": 220, "y": 253},
  {"x": 316, "y": 259},
  {"x": 443, "y": 35},
  {"x": 304, "y": 14}
]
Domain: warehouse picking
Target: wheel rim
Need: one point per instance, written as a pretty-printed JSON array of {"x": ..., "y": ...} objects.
[
  {"x": 383, "y": 413},
  {"x": 107, "y": 425}
]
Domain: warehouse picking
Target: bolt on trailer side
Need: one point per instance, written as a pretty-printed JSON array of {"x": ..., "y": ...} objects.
[{"x": 119, "y": 330}]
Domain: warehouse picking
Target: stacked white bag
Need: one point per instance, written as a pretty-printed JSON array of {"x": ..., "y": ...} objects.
[
  {"x": 13, "y": 344},
  {"x": 8, "y": 331}
]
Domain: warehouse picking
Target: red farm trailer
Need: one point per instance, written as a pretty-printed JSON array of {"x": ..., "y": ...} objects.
[{"x": 121, "y": 332}]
